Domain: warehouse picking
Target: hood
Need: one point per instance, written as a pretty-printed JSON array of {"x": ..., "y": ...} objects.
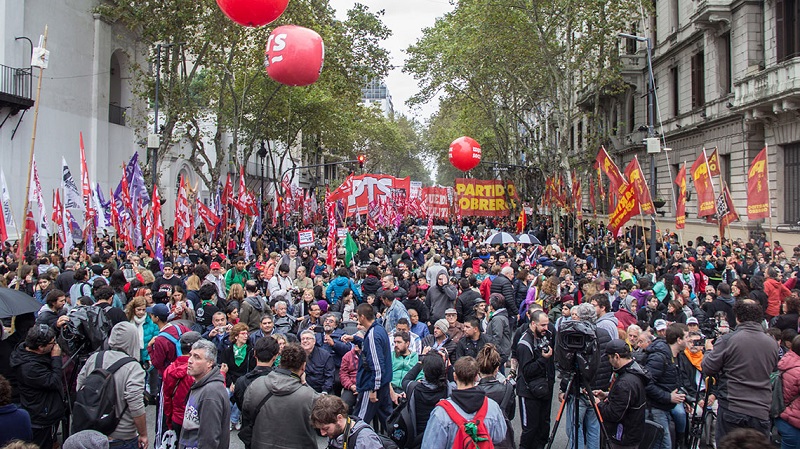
[
  {"x": 608, "y": 317},
  {"x": 729, "y": 300},
  {"x": 371, "y": 281},
  {"x": 124, "y": 337},
  {"x": 8, "y": 408},
  {"x": 256, "y": 302},
  {"x": 340, "y": 281},
  {"x": 22, "y": 355},
  {"x": 213, "y": 376},
  {"x": 660, "y": 345},
  {"x": 625, "y": 304},
  {"x": 789, "y": 361},
  {"x": 637, "y": 370},
  {"x": 282, "y": 382},
  {"x": 500, "y": 312},
  {"x": 470, "y": 400}
]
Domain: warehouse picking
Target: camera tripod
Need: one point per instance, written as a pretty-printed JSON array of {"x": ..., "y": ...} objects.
[
  {"x": 694, "y": 435},
  {"x": 574, "y": 391}
]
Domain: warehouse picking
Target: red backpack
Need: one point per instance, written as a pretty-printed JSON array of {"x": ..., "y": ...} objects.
[{"x": 471, "y": 433}]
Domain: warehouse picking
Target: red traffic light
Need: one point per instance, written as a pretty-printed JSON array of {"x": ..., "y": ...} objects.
[{"x": 361, "y": 160}]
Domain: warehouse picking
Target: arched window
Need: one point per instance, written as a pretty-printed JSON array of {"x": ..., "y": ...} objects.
[{"x": 117, "y": 89}]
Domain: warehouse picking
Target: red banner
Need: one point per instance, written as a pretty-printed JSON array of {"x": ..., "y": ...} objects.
[
  {"x": 436, "y": 202},
  {"x": 680, "y": 208},
  {"x": 627, "y": 207},
  {"x": 701, "y": 177},
  {"x": 611, "y": 170},
  {"x": 713, "y": 163},
  {"x": 635, "y": 176},
  {"x": 758, "y": 187},
  {"x": 370, "y": 188},
  {"x": 485, "y": 198}
]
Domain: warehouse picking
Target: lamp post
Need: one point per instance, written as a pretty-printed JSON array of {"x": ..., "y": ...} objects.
[
  {"x": 652, "y": 149},
  {"x": 262, "y": 154}
]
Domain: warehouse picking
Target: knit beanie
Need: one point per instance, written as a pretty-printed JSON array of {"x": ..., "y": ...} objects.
[
  {"x": 442, "y": 325},
  {"x": 87, "y": 439}
]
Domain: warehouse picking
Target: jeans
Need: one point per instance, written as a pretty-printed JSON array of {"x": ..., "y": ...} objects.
[
  {"x": 790, "y": 435},
  {"x": 662, "y": 417},
  {"x": 588, "y": 425},
  {"x": 236, "y": 414},
  {"x": 124, "y": 444},
  {"x": 679, "y": 418},
  {"x": 728, "y": 421}
]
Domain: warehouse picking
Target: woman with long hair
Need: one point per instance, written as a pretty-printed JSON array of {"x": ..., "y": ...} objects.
[
  {"x": 179, "y": 307},
  {"x": 235, "y": 295},
  {"x": 496, "y": 387},
  {"x": 136, "y": 311}
]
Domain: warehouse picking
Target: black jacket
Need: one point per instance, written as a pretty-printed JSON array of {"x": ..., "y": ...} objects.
[
  {"x": 465, "y": 304},
  {"x": 467, "y": 347},
  {"x": 40, "y": 385},
  {"x": 533, "y": 367},
  {"x": 664, "y": 373},
  {"x": 244, "y": 381},
  {"x": 234, "y": 371},
  {"x": 370, "y": 286},
  {"x": 426, "y": 396},
  {"x": 503, "y": 285},
  {"x": 624, "y": 410},
  {"x": 419, "y": 306},
  {"x": 319, "y": 370},
  {"x": 721, "y": 304}
]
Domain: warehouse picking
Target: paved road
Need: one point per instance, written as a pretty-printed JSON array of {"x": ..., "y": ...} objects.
[{"x": 559, "y": 443}]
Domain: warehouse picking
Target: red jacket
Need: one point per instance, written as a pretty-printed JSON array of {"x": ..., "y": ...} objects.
[
  {"x": 163, "y": 351},
  {"x": 348, "y": 369},
  {"x": 776, "y": 293},
  {"x": 486, "y": 287},
  {"x": 176, "y": 386},
  {"x": 789, "y": 366}
]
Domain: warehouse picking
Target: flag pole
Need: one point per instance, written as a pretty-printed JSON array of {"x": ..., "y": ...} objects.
[
  {"x": 20, "y": 249},
  {"x": 769, "y": 203}
]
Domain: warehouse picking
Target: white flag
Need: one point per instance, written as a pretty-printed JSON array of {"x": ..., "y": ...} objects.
[
  {"x": 100, "y": 215},
  {"x": 72, "y": 198},
  {"x": 5, "y": 198},
  {"x": 36, "y": 197}
]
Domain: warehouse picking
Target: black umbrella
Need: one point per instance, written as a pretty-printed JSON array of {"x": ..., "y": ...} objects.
[
  {"x": 500, "y": 238},
  {"x": 529, "y": 239},
  {"x": 13, "y": 303}
]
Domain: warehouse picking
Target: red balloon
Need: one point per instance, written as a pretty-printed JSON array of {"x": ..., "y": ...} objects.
[
  {"x": 465, "y": 153},
  {"x": 253, "y": 13},
  {"x": 294, "y": 55}
]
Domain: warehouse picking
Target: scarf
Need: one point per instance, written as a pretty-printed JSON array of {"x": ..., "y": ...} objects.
[
  {"x": 695, "y": 358},
  {"x": 139, "y": 322},
  {"x": 239, "y": 353}
]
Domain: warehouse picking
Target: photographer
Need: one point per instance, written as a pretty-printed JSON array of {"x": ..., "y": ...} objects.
[{"x": 535, "y": 381}]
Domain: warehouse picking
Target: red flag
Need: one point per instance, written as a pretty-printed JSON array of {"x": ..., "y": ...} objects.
[
  {"x": 247, "y": 201},
  {"x": 627, "y": 207},
  {"x": 182, "y": 220},
  {"x": 611, "y": 170},
  {"x": 330, "y": 208},
  {"x": 86, "y": 187},
  {"x": 58, "y": 218},
  {"x": 30, "y": 230},
  {"x": 208, "y": 216},
  {"x": 701, "y": 178},
  {"x": 731, "y": 215},
  {"x": 758, "y": 187},
  {"x": 578, "y": 200},
  {"x": 522, "y": 221},
  {"x": 636, "y": 177},
  {"x": 713, "y": 163},
  {"x": 680, "y": 207},
  {"x": 592, "y": 198},
  {"x": 343, "y": 191}
]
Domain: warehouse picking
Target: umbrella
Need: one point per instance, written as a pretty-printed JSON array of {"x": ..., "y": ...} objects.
[
  {"x": 13, "y": 303},
  {"x": 529, "y": 239},
  {"x": 500, "y": 238}
]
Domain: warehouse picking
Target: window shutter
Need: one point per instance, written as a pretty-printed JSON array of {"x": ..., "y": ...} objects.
[{"x": 780, "y": 30}]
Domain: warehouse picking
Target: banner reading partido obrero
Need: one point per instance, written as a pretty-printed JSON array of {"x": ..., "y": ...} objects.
[{"x": 485, "y": 198}]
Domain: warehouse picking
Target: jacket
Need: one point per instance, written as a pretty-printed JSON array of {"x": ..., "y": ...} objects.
[
  {"x": 500, "y": 392},
  {"x": 319, "y": 370},
  {"x": 40, "y": 385},
  {"x": 375, "y": 362},
  {"x": 208, "y": 414},
  {"x": 425, "y": 395},
  {"x": 465, "y": 304},
  {"x": 337, "y": 286},
  {"x": 288, "y": 409},
  {"x": 129, "y": 379},
  {"x": 235, "y": 371},
  {"x": 624, "y": 410},
  {"x": 234, "y": 276},
  {"x": 244, "y": 381},
  {"x": 393, "y": 314},
  {"x": 348, "y": 369},
  {"x": 469, "y": 347},
  {"x": 339, "y": 348},
  {"x": 789, "y": 367},
  {"x": 163, "y": 351},
  {"x": 440, "y": 298},
  {"x": 624, "y": 315},
  {"x": 502, "y": 285},
  {"x": 370, "y": 285},
  {"x": 664, "y": 374},
  {"x": 776, "y": 293},
  {"x": 441, "y": 430},
  {"x": 422, "y": 309},
  {"x": 149, "y": 332},
  {"x": 15, "y": 424},
  {"x": 176, "y": 384},
  {"x": 498, "y": 333},
  {"x": 534, "y": 369},
  {"x": 609, "y": 323},
  {"x": 744, "y": 360},
  {"x": 721, "y": 304},
  {"x": 366, "y": 438},
  {"x": 253, "y": 308}
]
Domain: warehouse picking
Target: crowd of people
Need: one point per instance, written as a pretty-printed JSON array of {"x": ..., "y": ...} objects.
[{"x": 421, "y": 341}]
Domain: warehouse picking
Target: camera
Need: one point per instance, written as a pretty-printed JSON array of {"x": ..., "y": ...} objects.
[
  {"x": 542, "y": 344},
  {"x": 576, "y": 348}
]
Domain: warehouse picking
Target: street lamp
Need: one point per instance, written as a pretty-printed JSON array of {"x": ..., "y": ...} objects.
[
  {"x": 262, "y": 153},
  {"x": 652, "y": 150}
]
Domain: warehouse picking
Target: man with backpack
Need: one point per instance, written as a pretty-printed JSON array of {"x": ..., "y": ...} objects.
[
  {"x": 110, "y": 392},
  {"x": 103, "y": 297},
  {"x": 329, "y": 416},
  {"x": 468, "y": 419},
  {"x": 208, "y": 409}
]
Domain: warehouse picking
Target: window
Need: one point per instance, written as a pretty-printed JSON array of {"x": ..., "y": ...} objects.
[
  {"x": 676, "y": 189},
  {"x": 631, "y": 113},
  {"x": 630, "y": 44},
  {"x": 787, "y": 37},
  {"x": 676, "y": 20},
  {"x": 724, "y": 68},
  {"x": 725, "y": 168},
  {"x": 673, "y": 75},
  {"x": 698, "y": 80},
  {"x": 791, "y": 184}
]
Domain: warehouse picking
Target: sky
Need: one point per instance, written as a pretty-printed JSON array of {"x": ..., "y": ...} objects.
[{"x": 406, "y": 19}]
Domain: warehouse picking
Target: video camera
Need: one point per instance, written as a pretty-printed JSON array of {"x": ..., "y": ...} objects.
[{"x": 576, "y": 348}]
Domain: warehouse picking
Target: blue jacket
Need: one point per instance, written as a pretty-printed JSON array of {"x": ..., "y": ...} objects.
[
  {"x": 339, "y": 348},
  {"x": 375, "y": 363},
  {"x": 16, "y": 424},
  {"x": 337, "y": 286},
  {"x": 319, "y": 370}
]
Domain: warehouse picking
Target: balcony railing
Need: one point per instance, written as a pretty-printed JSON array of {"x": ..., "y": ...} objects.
[
  {"x": 15, "y": 87},
  {"x": 780, "y": 81},
  {"x": 116, "y": 114}
]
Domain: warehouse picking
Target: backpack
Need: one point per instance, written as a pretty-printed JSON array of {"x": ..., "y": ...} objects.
[
  {"x": 96, "y": 400},
  {"x": 471, "y": 433},
  {"x": 86, "y": 331},
  {"x": 402, "y": 423},
  {"x": 174, "y": 340},
  {"x": 386, "y": 442},
  {"x": 778, "y": 405}
]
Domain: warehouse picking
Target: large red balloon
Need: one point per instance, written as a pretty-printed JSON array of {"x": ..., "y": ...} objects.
[
  {"x": 465, "y": 153},
  {"x": 294, "y": 55},
  {"x": 253, "y": 13}
]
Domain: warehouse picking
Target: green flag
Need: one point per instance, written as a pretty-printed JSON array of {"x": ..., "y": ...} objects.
[{"x": 351, "y": 247}]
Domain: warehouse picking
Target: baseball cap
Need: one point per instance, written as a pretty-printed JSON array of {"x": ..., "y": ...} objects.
[
  {"x": 618, "y": 346},
  {"x": 159, "y": 310},
  {"x": 692, "y": 320},
  {"x": 167, "y": 264},
  {"x": 450, "y": 311},
  {"x": 660, "y": 325},
  {"x": 190, "y": 338},
  {"x": 215, "y": 266}
]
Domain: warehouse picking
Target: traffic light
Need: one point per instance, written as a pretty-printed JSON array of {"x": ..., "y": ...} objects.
[{"x": 361, "y": 160}]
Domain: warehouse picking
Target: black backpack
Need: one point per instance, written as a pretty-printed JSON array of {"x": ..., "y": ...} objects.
[
  {"x": 386, "y": 442},
  {"x": 86, "y": 331},
  {"x": 96, "y": 400}
]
